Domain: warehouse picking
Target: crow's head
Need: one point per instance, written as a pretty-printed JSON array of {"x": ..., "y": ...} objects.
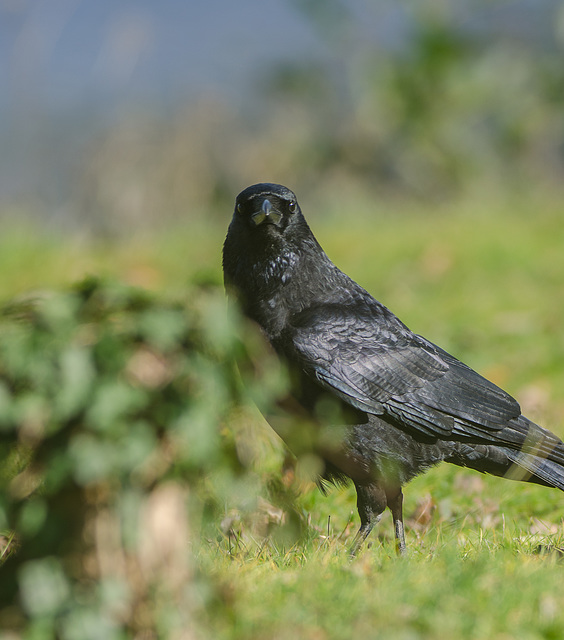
[
  {"x": 267, "y": 208},
  {"x": 267, "y": 247},
  {"x": 272, "y": 262}
]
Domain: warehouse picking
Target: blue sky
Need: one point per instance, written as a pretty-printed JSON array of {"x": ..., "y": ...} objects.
[
  {"x": 61, "y": 54},
  {"x": 86, "y": 62},
  {"x": 69, "y": 67},
  {"x": 67, "y": 52}
]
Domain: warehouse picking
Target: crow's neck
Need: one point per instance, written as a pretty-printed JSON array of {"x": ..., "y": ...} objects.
[{"x": 281, "y": 284}]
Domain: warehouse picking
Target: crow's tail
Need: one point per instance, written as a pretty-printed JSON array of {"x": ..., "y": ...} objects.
[
  {"x": 540, "y": 458},
  {"x": 523, "y": 451},
  {"x": 532, "y": 468}
]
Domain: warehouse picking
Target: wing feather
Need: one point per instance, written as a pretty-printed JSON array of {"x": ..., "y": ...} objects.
[{"x": 375, "y": 363}]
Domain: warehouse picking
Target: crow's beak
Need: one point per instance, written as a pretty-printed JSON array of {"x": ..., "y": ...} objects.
[{"x": 266, "y": 215}]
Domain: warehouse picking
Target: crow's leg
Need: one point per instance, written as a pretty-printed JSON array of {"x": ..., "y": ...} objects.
[
  {"x": 370, "y": 501},
  {"x": 395, "y": 503}
]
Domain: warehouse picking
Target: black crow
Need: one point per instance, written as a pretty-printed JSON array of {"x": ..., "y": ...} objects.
[{"x": 410, "y": 404}]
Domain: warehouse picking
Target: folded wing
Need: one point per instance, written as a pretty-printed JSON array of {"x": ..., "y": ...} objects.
[{"x": 371, "y": 360}]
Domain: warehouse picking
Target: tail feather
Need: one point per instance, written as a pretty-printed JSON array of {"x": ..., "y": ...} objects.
[
  {"x": 538, "y": 441},
  {"x": 532, "y": 468},
  {"x": 530, "y": 453}
]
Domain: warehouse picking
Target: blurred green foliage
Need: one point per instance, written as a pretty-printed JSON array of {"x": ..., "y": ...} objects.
[
  {"x": 448, "y": 109},
  {"x": 114, "y": 406}
]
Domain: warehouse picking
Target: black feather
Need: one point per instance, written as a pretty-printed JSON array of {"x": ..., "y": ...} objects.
[{"x": 416, "y": 405}]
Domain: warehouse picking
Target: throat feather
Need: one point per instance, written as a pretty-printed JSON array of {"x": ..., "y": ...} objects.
[{"x": 281, "y": 268}]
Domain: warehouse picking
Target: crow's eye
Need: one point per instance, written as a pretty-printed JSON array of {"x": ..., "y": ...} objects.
[
  {"x": 292, "y": 207},
  {"x": 239, "y": 208}
]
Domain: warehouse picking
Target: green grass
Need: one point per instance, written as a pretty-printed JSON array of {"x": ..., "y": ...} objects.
[
  {"x": 483, "y": 592},
  {"x": 485, "y": 280}
]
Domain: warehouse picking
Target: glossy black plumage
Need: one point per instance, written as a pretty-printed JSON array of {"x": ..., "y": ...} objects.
[{"x": 414, "y": 405}]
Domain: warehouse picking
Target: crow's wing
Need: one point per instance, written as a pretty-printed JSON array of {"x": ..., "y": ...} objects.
[{"x": 368, "y": 358}]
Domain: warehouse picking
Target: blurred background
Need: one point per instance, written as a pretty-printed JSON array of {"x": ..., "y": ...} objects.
[
  {"x": 425, "y": 142},
  {"x": 121, "y": 115}
]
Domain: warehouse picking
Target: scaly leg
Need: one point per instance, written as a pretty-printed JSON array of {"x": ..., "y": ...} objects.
[
  {"x": 371, "y": 502},
  {"x": 395, "y": 503}
]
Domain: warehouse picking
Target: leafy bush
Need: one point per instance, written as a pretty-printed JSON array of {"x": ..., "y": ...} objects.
[{"x": 113, "y": 406}]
